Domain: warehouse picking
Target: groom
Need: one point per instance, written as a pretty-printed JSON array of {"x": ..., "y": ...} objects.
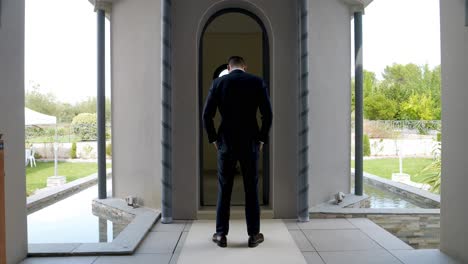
[{"x": 238, "y": 95}]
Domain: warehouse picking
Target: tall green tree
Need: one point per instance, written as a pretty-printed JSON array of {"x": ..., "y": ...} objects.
[{"x": 39, "y": 102}]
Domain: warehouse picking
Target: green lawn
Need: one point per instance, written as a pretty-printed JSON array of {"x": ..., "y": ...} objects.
[
  {"x": 385, "y": 167},
  {"x": 36, "y": 177}
]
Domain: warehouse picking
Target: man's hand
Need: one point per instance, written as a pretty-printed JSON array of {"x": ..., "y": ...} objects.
[
  {"x": 216, "y": 145},
  {"x": 261, "y": 146}
]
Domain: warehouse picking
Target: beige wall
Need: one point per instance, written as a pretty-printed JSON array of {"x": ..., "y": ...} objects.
[
  {"x": 12, "y": 125},
  {"x": 136, "y": 99},
  {"x": 454, "y": 213},
  {"x": 329, "y": 99}
]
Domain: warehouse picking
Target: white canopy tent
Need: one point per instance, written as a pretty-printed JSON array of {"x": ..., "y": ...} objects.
[{"x": 33, "y": 118}]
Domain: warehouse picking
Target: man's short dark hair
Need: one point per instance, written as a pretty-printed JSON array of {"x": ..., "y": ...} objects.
[{"x": 236, "y": 61}]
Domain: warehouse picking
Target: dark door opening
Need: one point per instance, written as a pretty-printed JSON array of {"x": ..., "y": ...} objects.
[{"x": 230, "y": 32}]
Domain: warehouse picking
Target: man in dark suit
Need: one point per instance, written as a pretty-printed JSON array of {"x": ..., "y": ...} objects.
[{"x": 238, "y": 95}]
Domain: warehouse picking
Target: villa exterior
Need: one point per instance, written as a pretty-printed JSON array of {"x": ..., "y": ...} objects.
[{"x": 164, "y": 56}]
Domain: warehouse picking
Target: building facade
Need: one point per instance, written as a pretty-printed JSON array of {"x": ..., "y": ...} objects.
[{"x": 203, "y": 34}]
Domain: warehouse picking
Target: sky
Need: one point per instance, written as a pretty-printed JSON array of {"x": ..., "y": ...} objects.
[
  {"x": 61, "y": 42},
  {"x": 401, "y": 31},
  {"x": 60, "y": 48}
]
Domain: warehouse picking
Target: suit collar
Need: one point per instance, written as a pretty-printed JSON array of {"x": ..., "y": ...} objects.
[{"x": 237, "y": 71}]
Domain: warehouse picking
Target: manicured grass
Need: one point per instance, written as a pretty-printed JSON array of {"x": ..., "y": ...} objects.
[
  {"x": 36, "y": 177},
  {"x": 385, "y": 167}
]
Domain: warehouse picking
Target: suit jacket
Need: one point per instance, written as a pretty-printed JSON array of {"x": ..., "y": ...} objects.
[{"x": 238, "y": 96}]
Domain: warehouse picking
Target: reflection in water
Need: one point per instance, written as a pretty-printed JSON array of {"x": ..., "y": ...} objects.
[
  {"x": 382, "y": 199},
  {"x": 71, "y": 221}
]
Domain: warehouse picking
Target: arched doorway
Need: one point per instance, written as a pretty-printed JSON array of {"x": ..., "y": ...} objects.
[{"x": 232, "y": 31}]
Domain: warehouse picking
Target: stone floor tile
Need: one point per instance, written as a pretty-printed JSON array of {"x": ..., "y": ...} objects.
[
  {"x": 159, "y": 242},
  {"x": 176, "y": 226},
  {"x": 378, "y": 234},
  {"x": 359, "y": 257},
  {"x": 423, "y": 256},
  {"x": 340, "y": 240},
  {"x": 301, "y": 240},
  {"x": 313, "y": 258},
  {"x": 188, "y": 225},
  {"x": 291, "y": 224},
  {"x": 326, "y": 224},
  {"x": 59, "y": 260},
  {"x": 52, "y": 247},
  {"x": 175, "y": 258},
  {"x": 135, "y": 259},
  {"x": 181, "y": 242}
]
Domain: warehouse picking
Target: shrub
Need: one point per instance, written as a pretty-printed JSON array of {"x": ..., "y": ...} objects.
[
  {"x": 439, "y": 137},
  {"x": 366, "y": 146},
  {"x": 378, "y": 107},
  {"x": 431, "y": 174},
  {"x": 37, "y": 156},
  {"x": 32, "y": 132},
  {"x": 73, "y": 151},
  {"x": 85, "y": 126},
  {"x": 109, "y": 149}
]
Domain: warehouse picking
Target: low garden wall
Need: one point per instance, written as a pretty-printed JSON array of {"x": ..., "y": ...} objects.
[{"x": 84, "y": 150}]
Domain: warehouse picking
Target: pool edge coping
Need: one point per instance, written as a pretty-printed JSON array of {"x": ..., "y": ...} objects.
[
  {"x": 124, "y": 244},
  {"x": 56, "y": 194}
]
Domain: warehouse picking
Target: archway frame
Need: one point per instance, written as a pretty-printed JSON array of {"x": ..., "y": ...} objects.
[{"x": 266, "y": 76}]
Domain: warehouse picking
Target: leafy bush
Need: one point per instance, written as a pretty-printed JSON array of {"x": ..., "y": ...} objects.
[
  {"x": 439, "y": 137},
  {"x": 73, "y": 151},
  {"x": 85, "y": 126},
  {"x": 378, "y": 107},
  {"x": 37, "y": 156},
  {"x": 109, "y": 149},
  {"x": 366, "y": 146},
  {"x": 33, "y": 131}
]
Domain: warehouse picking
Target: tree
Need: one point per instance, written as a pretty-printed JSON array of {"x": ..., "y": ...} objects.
[
  {"x": 370, "y": 85},
  {"x": 412, "y": 92},
  {"x": 378, "y": 107},
  {"x": 90, "y": 106},
  {"x": 43, "y": 103},
  {"x": 419, "y": 107}
]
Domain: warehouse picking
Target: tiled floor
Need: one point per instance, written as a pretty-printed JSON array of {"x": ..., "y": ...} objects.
[
  {"x": 359, "y": 240},
  {"x": 321, "y": 241}
]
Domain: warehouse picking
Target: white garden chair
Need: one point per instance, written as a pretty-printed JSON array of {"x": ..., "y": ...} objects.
[{"x": 31, "y": 159}]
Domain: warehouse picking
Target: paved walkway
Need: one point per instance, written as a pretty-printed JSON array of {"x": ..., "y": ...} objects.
[
  {"x": 321, "y": 241},
  {"x": 278, "y": 248}
]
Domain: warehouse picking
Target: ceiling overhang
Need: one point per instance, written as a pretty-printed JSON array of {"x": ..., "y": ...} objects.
[
  {"x": 105, "y": 5},
  {"x": 357, "y": 5}
]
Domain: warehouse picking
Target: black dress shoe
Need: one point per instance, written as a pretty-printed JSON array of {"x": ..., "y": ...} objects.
[
  {"x": 255, "y": 240},
  {"x": 220, "y": 240}
]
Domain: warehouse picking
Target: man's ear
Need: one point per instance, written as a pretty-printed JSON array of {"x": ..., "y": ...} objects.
[{"x": 229, "y": 68}]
